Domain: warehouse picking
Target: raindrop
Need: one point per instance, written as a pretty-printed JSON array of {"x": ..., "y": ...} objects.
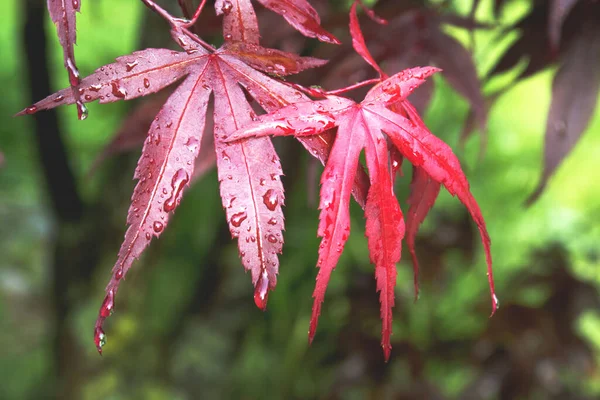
[
  {"x": 99, "y": 339},
  {"x": 31, "y": 110},
  {"x": 227, "y": 7},
  {"x": 261, "y": 291},
  {"x": 82, "y": 111},
  {"x": 237, "y": 219},
  {"x": 73, "y": 72},
  {"x": 146, "y": 83},
  {"x": 158, "y": 226},
  {"x": 108, "y": 304},
  {"x": 270, "y": 199},
  {"x": 118, "y": 91},
  {"x": 271, "y": 239},
  {"x": 225, "y": 156},
  {"x": 179, "y": 180},
  {"x": 192, "y": 144},
  {"x": 228, "y": 36},
  {"x": 131, "y": 65},
  {"x": 273, "y": 221},
  {"x": 95, "y": 88},
  {"x": 262, "y": 182},
  {"x": 148, "y": 236},
  {"x": 119, "y": 274},
  {"x": 59, "y": 98},
  {"x": 76, "y": 4}
]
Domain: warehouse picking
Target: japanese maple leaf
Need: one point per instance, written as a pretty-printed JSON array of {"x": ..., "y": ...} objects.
[
  {"x": 362, "y": 126},
  {"x": 384, "y": 114},
  {"x": 62, "y": 13},
  {"x": 249, "y": 172}
]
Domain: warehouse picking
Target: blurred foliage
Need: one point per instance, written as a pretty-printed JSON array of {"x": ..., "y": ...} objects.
[{"x": 186, "y": 326}]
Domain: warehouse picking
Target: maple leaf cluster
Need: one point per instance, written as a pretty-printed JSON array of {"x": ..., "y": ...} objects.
[{"x": 335, "y": 129}]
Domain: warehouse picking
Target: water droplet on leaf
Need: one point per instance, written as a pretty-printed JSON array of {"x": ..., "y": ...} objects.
[
  {"x": 237, "y": 219},
  {"x": 158, "y": 226},
  {"x": 180, "y": 179},
  {"x": 270, "y": 199}
]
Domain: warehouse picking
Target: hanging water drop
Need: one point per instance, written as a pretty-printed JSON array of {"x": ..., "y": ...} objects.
[
  {"x": 82, "y": 111},
  {"x": 261, "y": 291},
  {"x": 99, "y": 339},
  {"x": 119, "y": 274},
  {"x": 108, "y": 304}
]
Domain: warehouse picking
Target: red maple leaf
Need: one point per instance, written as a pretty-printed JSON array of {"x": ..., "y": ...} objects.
[
  {"x": 362, "y": 126},
  {"x": 385, "y": 125},
  {"x": 249, "y": 172},
  {"x": 62, "y": 13}
]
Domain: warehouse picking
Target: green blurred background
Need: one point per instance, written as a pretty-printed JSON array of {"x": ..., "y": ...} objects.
[{"x": 186, "y": 326}]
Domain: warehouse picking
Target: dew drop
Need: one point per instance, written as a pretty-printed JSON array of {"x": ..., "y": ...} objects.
[
  {"x": 108, "y": 304},
  {"x": 273, "y": 221},
  {"x": 158, "y": 226},
  {"x": 227, "y": 7},
  {"x": 31, "y": 110},
  {"x": 131, "y": 65},
  {"x": 75, "y": 4},
  {"x": 180, "y": 179},
  {"x": 270, "y": 199},
  {"x": 262, "y": 182},
  {"x": 73, "y": 72},
  {"x": 82, "y": 111},
  {"x": 146, "y": 83},
  {"x": 225, "y": 156},
  {"x": 59, "y": 98},
  {"x": 237, "y": 219},
  {"x": 95, "y": 88},
  {"x": 271, "y": 239},
  {"x": 228, "y": 37},
  {"x": 192, "y": 144},
  {"x": 118, "y": 91},
  {"x": 261, "y": 291},
  {"x": 99, "y": 339},
  {"x": 119, "y": 274},
  {"x": 148, "y": 236}
]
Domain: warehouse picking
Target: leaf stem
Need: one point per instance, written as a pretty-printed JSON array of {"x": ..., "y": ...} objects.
[{"x": 179, "y": 24}]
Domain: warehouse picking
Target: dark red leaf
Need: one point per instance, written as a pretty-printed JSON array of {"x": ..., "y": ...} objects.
[
  {"x": 272, "y": 61},
  {"x": 358, "y": 42},
  {"x": 302, "y": 16},
  {"x": 574, "y": 96},
  {"x": 559, "y": 10}
]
